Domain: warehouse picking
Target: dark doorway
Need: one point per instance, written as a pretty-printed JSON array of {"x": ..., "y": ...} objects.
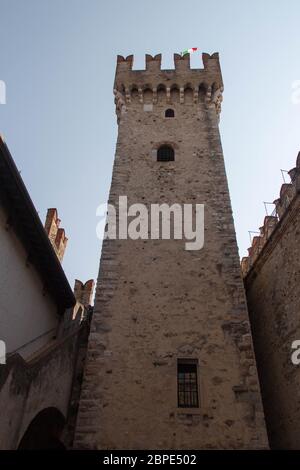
[
  {"x": 170, "y": 113},
  {"x": 44, "y": 431},
  {"x": 165, "y": 153}
]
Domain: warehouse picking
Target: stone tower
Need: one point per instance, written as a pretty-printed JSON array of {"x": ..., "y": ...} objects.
[{"x": 170, "y": 361}]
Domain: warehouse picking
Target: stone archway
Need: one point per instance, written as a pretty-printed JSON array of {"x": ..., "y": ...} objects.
[{"x": 44, "y": 431}]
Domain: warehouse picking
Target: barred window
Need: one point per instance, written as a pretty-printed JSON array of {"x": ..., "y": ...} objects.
[
  {"x": 187, "y": 383},
  {"x": 165, "y": 153},
  {"x": 169, "y": 113}
]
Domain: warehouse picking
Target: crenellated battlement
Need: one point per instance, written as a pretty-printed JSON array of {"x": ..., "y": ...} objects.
[
  {"x": 153, "y": 63},
  {"x": 55, "y": 233},
  {"x": 288, "y": 192},
  {"x": 84, "y": 291},
  {"x": 204, "y": 83}
]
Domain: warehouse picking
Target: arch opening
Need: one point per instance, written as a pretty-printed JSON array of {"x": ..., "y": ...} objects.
[
  {"x": 134, "y": 93},
  {"x": 165, "y": 153},
  {"x": 175, "y": 94},
  {"x": 44, "y": 431},
  {"x": 188, "y": 95},
  {"x": 169, "y": 113},
  {"x": 161, "y": 93},
  {"x": 148, "y": 98}
]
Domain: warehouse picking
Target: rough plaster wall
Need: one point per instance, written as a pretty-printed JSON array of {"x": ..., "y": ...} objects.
[
  {"x": 12, "y": 403},
  {"x": 28, "y": 388},
  {"x": 156, "y": 302},
  {"x": 25, "y": 312},
  {"x": 273, "y": 294}
]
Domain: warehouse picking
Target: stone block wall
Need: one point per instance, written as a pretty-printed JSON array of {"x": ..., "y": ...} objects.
[
  {"x": 272, "y": 281},
  {"x": 157, "y": 302}
]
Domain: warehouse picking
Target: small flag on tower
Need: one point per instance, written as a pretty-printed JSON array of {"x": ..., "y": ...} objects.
[{"x": 189, "y": 51}]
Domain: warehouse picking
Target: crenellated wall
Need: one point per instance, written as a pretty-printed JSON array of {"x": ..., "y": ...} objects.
[
  {"x": 154, "y": 85},
  {"x": 288, "y": 193},
  {"x": 84, "y": 292},
  {"x": 272, "y": 281},
  {"x": 55, "y": 233}
]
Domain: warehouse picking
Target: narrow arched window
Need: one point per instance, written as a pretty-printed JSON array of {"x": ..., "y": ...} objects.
[
  {"x": 165, "y": 153},
  {"x": 169, "y": 113}
]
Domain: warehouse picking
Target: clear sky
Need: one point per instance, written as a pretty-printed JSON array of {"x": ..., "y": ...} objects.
[{"x": 58, "y": 62}]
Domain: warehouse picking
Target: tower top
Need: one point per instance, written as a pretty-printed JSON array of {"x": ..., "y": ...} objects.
[
  {"x": 153, "y": 75},
  {"x": 206, "y": 81}
]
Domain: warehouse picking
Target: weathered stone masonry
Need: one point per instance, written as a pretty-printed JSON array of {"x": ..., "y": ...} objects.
[
  {"x": 156, "y": 302},
  {"x": 272, "y": 281}
]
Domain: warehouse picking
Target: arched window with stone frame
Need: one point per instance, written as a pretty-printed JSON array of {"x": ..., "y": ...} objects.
[{"x": 165, "y": 153}]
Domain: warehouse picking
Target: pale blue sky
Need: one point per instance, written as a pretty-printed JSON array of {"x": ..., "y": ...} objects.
[{"x": 58, "y": 62}]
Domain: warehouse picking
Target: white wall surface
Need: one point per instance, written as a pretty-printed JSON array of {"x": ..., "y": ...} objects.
[{"x": 28, "y": 317}]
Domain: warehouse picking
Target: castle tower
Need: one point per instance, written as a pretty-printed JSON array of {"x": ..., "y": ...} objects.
[{"x": 170, "y": 360}]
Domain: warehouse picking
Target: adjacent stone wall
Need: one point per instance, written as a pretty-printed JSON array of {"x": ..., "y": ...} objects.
[
  {"x": 51, "y": 378},
  {"x": 156, "y": 302},
  {"x": 272, "y": 281}
]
